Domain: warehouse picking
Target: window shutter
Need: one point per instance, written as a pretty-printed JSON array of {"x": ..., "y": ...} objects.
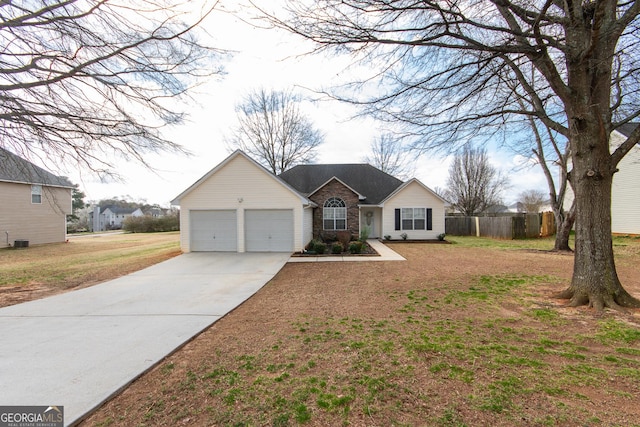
[
  {"x": 397, "y": 219},
  {"x": 429, "y": 219}
]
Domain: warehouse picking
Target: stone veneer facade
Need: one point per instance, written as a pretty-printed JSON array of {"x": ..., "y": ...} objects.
[{"x": 335, "y": 189}]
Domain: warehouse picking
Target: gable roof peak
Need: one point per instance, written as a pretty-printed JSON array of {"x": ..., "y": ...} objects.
[
  {"x": 366, "y": 180},
  {"x": 222, "y": 164}
]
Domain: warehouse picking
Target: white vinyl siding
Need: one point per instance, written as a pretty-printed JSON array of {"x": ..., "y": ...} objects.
[
  {"x": 625, "y": 203},
  {"x": 238, "y": 184},
  {"x": 307, "y": 226},
  {"x": 411, "y": 196}
]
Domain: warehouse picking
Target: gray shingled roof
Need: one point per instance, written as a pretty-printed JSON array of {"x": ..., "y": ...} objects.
[
  {"x": 365, "y": 179},
  {"x": 16, "y": 169},
  {"x": 627, "y": 128},
  {"x": 118, "y": 210}
]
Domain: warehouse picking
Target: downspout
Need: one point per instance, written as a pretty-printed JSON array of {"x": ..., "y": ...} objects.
[{"x": 7, "y": 233}]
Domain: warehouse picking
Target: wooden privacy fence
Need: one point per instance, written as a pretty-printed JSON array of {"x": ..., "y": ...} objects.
[
  {"x": 460, "y": 225},
  {"x": 499, "y": 227},
  {"x": 548, "y": 224}
]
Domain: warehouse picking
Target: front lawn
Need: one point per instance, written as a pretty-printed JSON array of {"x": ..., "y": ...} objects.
[
  {"x": 41, "y": 270},
  {"x": 458, "y": 335}
]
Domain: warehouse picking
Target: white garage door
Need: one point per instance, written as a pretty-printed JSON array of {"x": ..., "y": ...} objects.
[
  {"x": 214, "y": 231},
  {"x": 269, "y": 230}
]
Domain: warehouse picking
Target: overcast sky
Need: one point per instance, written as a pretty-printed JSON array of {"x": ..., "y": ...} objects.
[{"x": 270, "y": 59}]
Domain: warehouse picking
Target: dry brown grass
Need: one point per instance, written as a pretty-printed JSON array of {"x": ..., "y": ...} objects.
[
  {"x": 458, "y": 335},
  {"x": 38, "y": 271}
]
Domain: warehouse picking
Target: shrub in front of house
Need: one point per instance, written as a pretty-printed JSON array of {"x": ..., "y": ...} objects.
[
  {"x": 320, "y": 248},
  {"x": 344, "y": 237},
  {"x": 149, "y": 224},
  {"x": 337, "y": 248},
  {"x": 364, "y": 234},
  {"x": 317, "y": 247},
  {"x": 356, "y": 247}
]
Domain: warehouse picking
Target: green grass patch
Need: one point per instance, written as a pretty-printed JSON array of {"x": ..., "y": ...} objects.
[
  {"x": 612, "y": 330},
  {"x": 631, "y": 373},
  {"x": 629, "y": 351},
  {"x": 490, "y": 289},
  {"x": 501, "y": 394},
  {"x": 484, "y": 242}
]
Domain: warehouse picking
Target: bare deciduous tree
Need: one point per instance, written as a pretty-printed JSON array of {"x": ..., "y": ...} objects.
[
  {"x": 473, "y": 186},
  {"x": 274, "y": 130},
  {"x": 533, "y": 200},
  {"x": 388, "y": 155},
  {"x": 552, "y": 150},
  {"x": 443, "y": 68},
  {"x": 86, "y": 82}
]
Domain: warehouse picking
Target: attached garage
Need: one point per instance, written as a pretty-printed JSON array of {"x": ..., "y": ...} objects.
[
  {"x": 239, "y": 206},
  {"x": 213, "y": 230},
  {"x": 269, "y": 230}
]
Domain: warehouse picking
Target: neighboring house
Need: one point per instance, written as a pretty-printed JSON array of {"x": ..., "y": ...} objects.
[
  {"x": 516, "y": 207},
  {"x": 111, "y": 217},
  {"x": 625, "y": 203},
  {"x": 240, "y": 206},
  {"x": 34, "y": 203},
  {"x": 158, "y": 212}
]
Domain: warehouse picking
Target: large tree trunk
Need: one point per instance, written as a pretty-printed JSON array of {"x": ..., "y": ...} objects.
[
  {"x": 591, "y": 43},
  {"x": 595, "y": 281}
]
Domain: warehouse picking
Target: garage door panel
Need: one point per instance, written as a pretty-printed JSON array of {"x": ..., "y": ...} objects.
[
  {"x": 269, "y": 230},
  {"x": 214, "y": 231}
]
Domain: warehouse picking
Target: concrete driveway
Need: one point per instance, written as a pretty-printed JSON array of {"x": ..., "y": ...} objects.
[{"x": 79, "y": 348}]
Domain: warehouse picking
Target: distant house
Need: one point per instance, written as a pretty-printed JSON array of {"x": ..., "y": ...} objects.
[
  {"x": 625, "y": 203},
  {"x": 157, "y": 212},
  {"x": 239, "y": 206},
  {"x": 111, "y": 217},
  {"x": 517, "y": 207},
  {"x": 34, "y": 203}
]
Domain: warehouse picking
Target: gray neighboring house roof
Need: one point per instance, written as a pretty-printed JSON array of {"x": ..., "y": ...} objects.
[
  {"x": 118, "y": 210},
  {"x": 18, "y": 170},
  {"x": 627, "y": 128},
  {"x": 365, "y": 179}
]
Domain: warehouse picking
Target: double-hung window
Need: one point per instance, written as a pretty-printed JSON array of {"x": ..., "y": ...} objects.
[
  {"x": 334, "y": 214},
  {"x": 414, "y": 219},
  {"x": 36, "y": 193}
]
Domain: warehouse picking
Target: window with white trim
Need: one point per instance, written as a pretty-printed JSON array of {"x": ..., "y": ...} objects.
[
  {"x": 334, "y": 214},
  {"x": 414, "y": 219},
  {"x": 36, "y": 193}
]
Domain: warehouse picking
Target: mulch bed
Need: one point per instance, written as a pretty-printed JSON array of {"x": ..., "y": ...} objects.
[
  {"x": 445, "y": 242},
  {"x": 367, "y": 250}
]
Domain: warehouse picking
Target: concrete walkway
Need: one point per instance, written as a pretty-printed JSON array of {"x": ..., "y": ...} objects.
[
  {"x": 79, "y": 348},
  {"x": 385, "y": 254}
]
